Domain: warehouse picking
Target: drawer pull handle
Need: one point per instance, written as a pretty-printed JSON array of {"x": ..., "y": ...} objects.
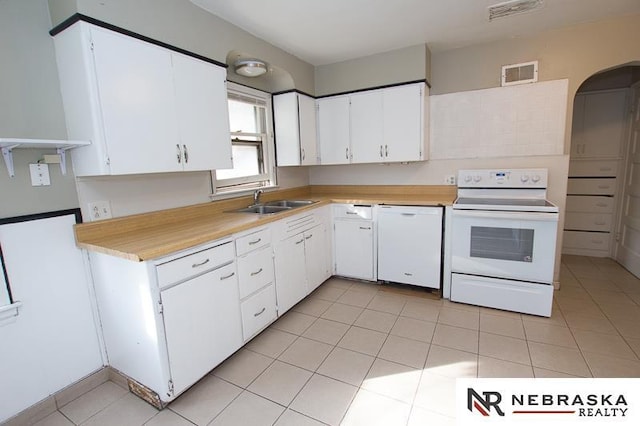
[
  {"x": 253, "y": 274},
  {"x": 352, "y": 212},
  {"x": 600, "y": 222},
  {"x": 186, "y": 154},
  {"x": 605, "y": 169},
  {"x": 603, "y": 186},
  {"x": 601, "y": 204},
  {"x": 365, "y": 227},
  {"x": 257, "y": 314},
  {"x": 408, "y": 274},
  {"x": 255, "y": 241},
  {"x": 308, "y": 237},
  {"x": 197, "y": 265},
  {"x": 597, "y": 241},
  {"x": 226, "y": 277},
  {"x": 178, "y": 154},
  {"x": 301, "y": 241},
  {"x": 386, "y": 150},
  {"x": 381, "y": 153},
  {"x": 408, "y": 214}
]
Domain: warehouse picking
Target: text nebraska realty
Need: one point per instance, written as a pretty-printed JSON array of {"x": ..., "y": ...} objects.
[{"x": 584, "y": 405}]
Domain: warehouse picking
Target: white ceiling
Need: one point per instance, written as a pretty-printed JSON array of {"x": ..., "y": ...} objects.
[{"x": 327, "y": 31}]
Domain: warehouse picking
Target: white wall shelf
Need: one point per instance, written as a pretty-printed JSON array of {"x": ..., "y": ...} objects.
[{"x": 7, "y": 145}]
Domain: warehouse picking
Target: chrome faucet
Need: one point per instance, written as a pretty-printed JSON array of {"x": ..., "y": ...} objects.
[{"x": 256, "y": 196}]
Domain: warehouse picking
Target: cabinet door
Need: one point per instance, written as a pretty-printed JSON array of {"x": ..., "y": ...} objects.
[
  {"x": 577, "y": 127},
  {"x": 403, "y": 123},
  {"x": 333, "y": 130},
  {"x": 315, "y": 248},
  {"x": 366, "y": 127},
  {"x": 202, "y": 323},
  {"x": 290, "y": 268},
  {"x": 409, "y": 245},
  {"x": 137, "y": 100},
  {"x": 308, "y": 130},
  {"x": 203, "y": 114},
  {"x": 353, "y": 242},
  {"x": 287, "y": 129}
]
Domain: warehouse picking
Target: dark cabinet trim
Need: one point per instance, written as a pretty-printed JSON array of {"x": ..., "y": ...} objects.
[{"x": 80, "y": 17}]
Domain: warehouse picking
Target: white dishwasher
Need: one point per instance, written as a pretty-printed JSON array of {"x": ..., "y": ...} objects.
[{"x": 410, "y": 245}]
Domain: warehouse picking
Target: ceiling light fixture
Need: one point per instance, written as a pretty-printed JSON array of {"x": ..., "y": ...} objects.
[
  {"x": 513, "y": 7},
  {"x": 250, "y": 67}
]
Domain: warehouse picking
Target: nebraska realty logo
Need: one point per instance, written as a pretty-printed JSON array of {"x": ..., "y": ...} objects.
[{"x": 561, "y": 401}]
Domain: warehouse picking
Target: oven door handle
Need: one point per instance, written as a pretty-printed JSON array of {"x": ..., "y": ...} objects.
[{"x": 484, "y": 214}]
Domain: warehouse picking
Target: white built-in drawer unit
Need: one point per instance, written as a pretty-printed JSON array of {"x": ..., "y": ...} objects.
[
  {"x": 352, "y": 211},
  {"x": 588, "y": 186},
  {"x": 586, "y": 240},
  {"x": 590, "y": 203},
  {"x": 178, "y": 269},
  {"x": 593, "y": 168},
  {"x": 580, "y": 221},
  {"x": 255, "y": 270},
  {"x": 258, "y": 311},
  {"x": 252, "y": 241}
]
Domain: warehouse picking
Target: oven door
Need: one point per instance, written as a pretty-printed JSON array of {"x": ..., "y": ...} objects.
[{"x": 512, "y": 245}]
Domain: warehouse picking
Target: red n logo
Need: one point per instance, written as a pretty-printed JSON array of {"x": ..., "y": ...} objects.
[{"x": 483, "y": 404}]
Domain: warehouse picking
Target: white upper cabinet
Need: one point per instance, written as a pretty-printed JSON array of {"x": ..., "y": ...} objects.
[
  {"x": 374, "y": 126},
  {"x": 203, "y": 113},
  {"x": 145, "y": 108},
  {"x": 333, "y": 130},
  {"x": 404, "y": 122},
  {"x": 367, "y": 138},
  {"x": 295, "y": 126}
]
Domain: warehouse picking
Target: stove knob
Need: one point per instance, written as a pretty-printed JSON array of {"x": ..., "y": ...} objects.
[
  {"x": 535, "y": 178},
  {"x": 467, "y": 178},
  {"x": 477, "y": 178},
  {"x": 524, "y": 178}
]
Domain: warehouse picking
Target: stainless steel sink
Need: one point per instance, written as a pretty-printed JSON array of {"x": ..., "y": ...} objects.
[
  {"x": 289, "y": 203},
  {"x": 263, "y": 209},
  {"x": 272, "y": 207}
]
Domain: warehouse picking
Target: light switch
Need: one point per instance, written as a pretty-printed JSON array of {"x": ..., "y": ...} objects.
[{"x": 39, "y": 174}]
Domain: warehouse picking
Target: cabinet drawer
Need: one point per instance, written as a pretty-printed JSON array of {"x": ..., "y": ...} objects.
[
  {"x": 587, "y": 168},
  {"x": 255, "y": 240},
  {"x": 183, "y": 268},
  {"x": 588, "y": 221},
  {"x": 591, "y": 186},
  {"x": 586, "y": 240},
  {"x": 590, "y": 203},
  {"x": 255, "y": 270},
  {"x": 352, "y": 211},
  {"x": 258, "y": 311}
]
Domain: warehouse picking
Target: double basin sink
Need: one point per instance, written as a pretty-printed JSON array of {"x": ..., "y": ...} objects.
[{"x": 272, "y": 207}]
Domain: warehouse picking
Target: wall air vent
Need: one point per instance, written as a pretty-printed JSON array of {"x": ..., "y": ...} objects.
[
  {"x": 526, "y": 72},
  {"x": 513, "y": 7}
]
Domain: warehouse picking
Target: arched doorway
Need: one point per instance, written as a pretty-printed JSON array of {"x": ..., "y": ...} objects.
[{"x": 602, "y": 198}]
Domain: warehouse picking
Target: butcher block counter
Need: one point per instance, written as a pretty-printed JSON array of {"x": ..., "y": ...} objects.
[{"x": 152, "y": 235}]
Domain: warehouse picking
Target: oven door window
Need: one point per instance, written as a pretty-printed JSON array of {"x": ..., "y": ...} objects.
[{"x": 502, "y": 243}]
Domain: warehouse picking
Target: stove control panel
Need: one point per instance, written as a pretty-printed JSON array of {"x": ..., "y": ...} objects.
[{"x": 502, "y": 178}]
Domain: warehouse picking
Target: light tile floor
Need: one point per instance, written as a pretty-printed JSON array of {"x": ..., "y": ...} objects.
[{"x": 359, "y": 354}]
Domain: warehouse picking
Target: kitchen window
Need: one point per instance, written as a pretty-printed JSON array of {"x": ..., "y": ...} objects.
[{"x": 250, "y": 121}]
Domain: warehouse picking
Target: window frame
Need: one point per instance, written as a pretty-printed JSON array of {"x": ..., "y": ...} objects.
[{"x": 267, "y": 177}]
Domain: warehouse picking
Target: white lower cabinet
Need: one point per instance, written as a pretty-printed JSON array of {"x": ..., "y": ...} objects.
[
  {"x": 291, "y": 272},
  {"x": 316, "y": 259},
  {"x": 256, "y": 280},
  {"x": 354, "y": 241},
  {"x": 409, "y": 245},
  {"x": 166, "y": 323},
  {"x": 202, "y": 324}
]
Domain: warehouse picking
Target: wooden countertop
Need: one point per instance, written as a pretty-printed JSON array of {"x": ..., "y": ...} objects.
[{"x": 152, "y": 235}]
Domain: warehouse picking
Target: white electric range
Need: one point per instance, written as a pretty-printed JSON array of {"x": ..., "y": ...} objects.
[{"x": 504, "y": 240}]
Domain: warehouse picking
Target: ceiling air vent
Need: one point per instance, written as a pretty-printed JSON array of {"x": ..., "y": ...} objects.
[
  {"x": 513, "y": 7},
  {"x": 526, "y": 72}
]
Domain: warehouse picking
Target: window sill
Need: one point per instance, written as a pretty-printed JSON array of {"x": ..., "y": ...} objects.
[
  {"x": 9, "y": 313},
  {"x": 224, "y": 195}
]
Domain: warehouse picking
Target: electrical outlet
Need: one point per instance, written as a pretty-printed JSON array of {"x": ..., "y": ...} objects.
[
  {"x": 100, "y": 210},
  {"x": 450, "y": 180}
]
